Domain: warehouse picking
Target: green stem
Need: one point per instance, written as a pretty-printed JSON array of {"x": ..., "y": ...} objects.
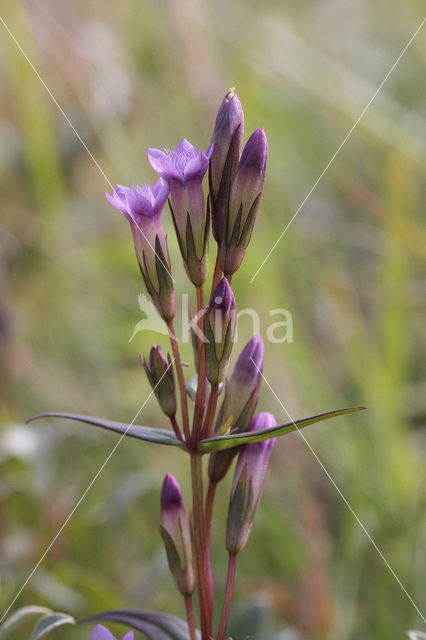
[
  {"x": 197, "y": 506},
  {"x": 232, "y": 565}
]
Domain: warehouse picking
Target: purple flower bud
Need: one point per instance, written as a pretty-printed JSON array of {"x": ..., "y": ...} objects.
[
  {"x": 227, "y": 139},
  {"x": 142, "y": 206},
  {"x": 244, "y": 201},
  {"x": 247, "y": 485},
  {"x": 219, "y": 329},
  {"x": 176, "y": 535},
  {"x": 242, "y": 392},
  {"x": 183, "y": 168},
  {"x": 159, "y": 372},
  {"x": 102, "y": 633}
]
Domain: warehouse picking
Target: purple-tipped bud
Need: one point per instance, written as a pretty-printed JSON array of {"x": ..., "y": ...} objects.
[
  {"x": 100, "y": 632},
  {"x": 183, "y": 168},
  {"x": 227, "y": 139},
  {"x": 244, "y": 201},
  {"x": 159, "y": 372},
  {"x": 176, "y": 535},
  {"x": 142, "y": 207},
  {"x": 219, "y": 329},
  {"x": 242, "y": 393},
  {"x": 247, "y": 485}
]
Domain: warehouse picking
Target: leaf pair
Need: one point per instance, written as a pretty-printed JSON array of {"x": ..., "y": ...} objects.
[{"x": 217, "y": 443}]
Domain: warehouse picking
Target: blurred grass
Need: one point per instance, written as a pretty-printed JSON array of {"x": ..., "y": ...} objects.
[{"x": 350, "y": 270}]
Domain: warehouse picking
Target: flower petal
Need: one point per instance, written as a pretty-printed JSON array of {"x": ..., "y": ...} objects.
[
  {"x": 185, "y": 147},
  {"x": 196, "y": 167},
  {"x": 100, "y": 632},
  {"x": 128, "y": 636},
  {"x": 161, "y": 163},
  {"x": 161, "y": 197}
]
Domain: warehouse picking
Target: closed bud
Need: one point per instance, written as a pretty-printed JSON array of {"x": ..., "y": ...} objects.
[
  {"x": 219, "y": 328},
  {"x": 247, "y": 485},
  {"x": 244, "y": 202},
  {"x": 184, "y": 168},
  {"x": 161, "y": 377},
  {"x": 242, "y": 392},
  {"x": 176, "y": 535},
  {"x": 227, "y": 140},
  {"x": 142, "y": 207}
]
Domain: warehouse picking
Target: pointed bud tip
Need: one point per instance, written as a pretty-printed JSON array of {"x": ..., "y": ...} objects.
[
  {"x": 171, "y": 495},
  {"x": 231, "y": 93},
  {"x": 222, "y": 296}
]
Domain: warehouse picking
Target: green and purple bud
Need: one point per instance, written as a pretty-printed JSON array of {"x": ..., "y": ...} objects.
[
  {"x": 242, "y": 394},
  {"x": 220, "y": 320},
  {"x": 227, "y": 140},
  {"x": 244, "y": 201},
  {"x": 247, "y": 485},
  {"x": 161, "y": 377},
  {"x": 142, "y": 207},
  {"x": 183, "y": 168},
  {"x": 176, "y": 535}
]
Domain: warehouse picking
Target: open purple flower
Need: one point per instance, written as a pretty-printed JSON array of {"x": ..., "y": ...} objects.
[
  {"x": 142, "y": 207},
  {"x": 184, "y": 168},
  {"x": 100, "y": 632}
]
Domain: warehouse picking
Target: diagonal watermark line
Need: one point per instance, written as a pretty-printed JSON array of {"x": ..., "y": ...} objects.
[
  {"x": 82, "y": 497},
  {"x": 86, "y": 148},
  {"x": 339, "y": 491},
  {"x": 339, "y": 148}
]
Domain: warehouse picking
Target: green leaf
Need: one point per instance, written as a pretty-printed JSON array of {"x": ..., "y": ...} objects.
[
  {"x": 219, "y": 443},
  {"x": 155, "y": 625},
  {"x": 159, "y": 436},
  {"x": 19, "y": 617},
  {"x": 49, "y": 622}
]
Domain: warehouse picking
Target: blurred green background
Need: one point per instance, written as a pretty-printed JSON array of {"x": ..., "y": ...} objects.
[{"x": 349, "y": 269}]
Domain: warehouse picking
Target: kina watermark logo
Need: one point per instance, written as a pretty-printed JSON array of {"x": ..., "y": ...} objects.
[{"x": 277, "y": 328}]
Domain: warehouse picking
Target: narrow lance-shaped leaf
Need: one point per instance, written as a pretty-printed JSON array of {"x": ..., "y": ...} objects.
[
  {"x": 219, "y": 443},
  {"x": 150, "y": 434},
  {"x": 49, "y": 622},
  {"x": 19, "y": 617},
  {"x": 155, "y": 625}
]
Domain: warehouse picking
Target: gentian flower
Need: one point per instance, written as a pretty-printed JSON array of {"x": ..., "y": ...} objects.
[
  {"x": 183, "y": 168},
  {"x": 102, "y": 633},
  {"x": 247, "y": 485},
  {"x": 227, "y": 143},
  {"x": 219, "y": 328},
  {"x": 142, "y": 207},
  {"x": 244, "y": 201},
  {"x": 176, "y": 535},
  {"x": 242, "y": 394},
  {"x": 161, "y": 377}
]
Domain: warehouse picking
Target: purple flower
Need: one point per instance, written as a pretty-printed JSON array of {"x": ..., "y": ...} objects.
[
  {"x": 227, "y": 140},
  {"x": 219, "y": 328},
  {"x": 142, "y": 207},
  {"x": 176, "y": 535},
  {"x": 242, "y": 393},
  {"x": 244, "y": 201},
  {"x": 159, "y": 372},
  {"x": 248, "y": 483},
  {"x": 183, "y": 168},
  {"x": 102, "y": 633}
]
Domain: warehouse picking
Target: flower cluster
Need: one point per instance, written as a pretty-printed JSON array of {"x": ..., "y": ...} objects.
[{"x": 235, "y": 183}]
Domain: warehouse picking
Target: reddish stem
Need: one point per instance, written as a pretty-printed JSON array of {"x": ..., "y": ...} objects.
[
  {"x": 232, "y": 565},
  {"x": 190, "y": 617},
  {"x": 176, "y": 429},
  {"x": 201, "y": 387},
  {"x": 199, "y": 547},
  {"x": 217, "y": 273},
  {"x": 181, "y": 380},
  {"x": 211, "y": 411}
]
